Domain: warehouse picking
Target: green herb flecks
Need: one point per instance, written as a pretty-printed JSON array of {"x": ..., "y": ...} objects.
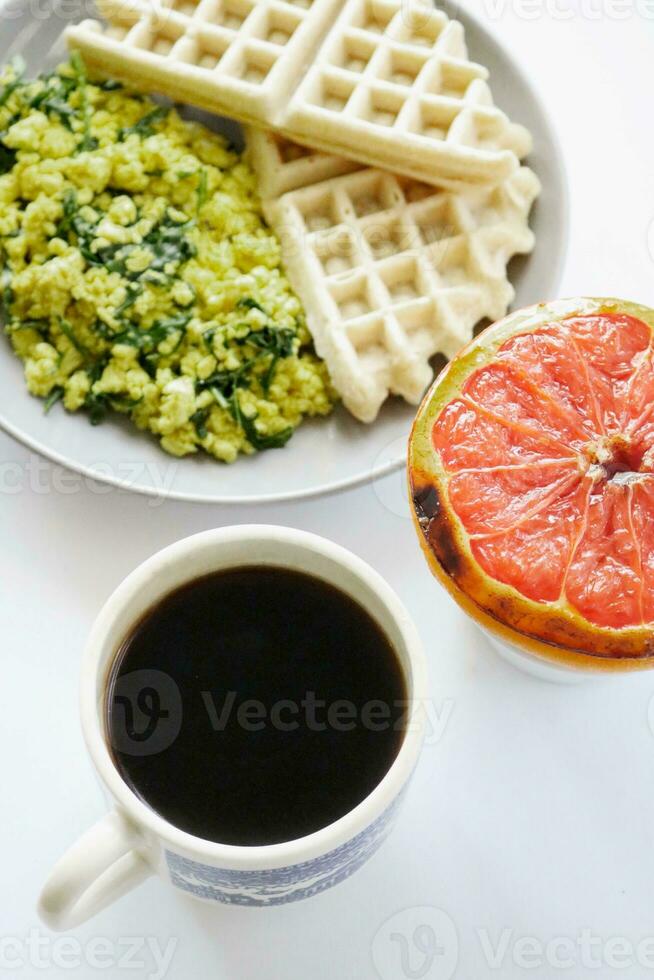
[
  {"x": 150, "y": 294},
  {"x": 6, "y": 291},
  {"x": 248, "y": 423},
  {"x": 7, "y": 155},
  {"x": 133, "y": 292},
  {"x": 100, "y": 328},
  {"x": 88, "y": 142},
  {"x": 53, "y": 97},
  {"x": 277, "y": 344},
  {"x": 55, "y": 396},
  {"x": 38, "y": 325},
  {"x": 269, "y": 347},
  {"x": 247, "y": 303},
  {"x": 52, "y": 87},
  {"x": 18, "y": 68},
  {"x": 7, "y": 159},
  {"x": 41, "y": 327},
  {"x": 97, "y": 405},
  {"x": 203, "y": 190},
  {"x": 145, "y": 126},
  {"x": 65, "y": 112},
  {"x": 84, "y": 231},
  {"x": 68, "y": 332},
  {"x": 70, "y": 209},
  {"x": 148, "y": 341},
  {"x": 207, "y": 338},
  {"x": 199, "y": 420},
  {"x": 169, "y": 244},
  {"x": 167, "y": 241}
]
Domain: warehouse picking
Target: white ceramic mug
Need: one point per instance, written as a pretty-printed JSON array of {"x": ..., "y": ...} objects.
[{"x": 133, "y": 841}]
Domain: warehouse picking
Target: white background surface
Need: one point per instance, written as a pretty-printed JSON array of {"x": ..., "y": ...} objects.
[{"x": 531, "y": 818}]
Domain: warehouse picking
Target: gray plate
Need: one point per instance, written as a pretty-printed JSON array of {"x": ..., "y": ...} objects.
[{"x": 324, "y": 455}]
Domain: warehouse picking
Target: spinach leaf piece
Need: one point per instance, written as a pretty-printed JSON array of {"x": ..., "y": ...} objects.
[
  {"x": 145, "y": 126},
  {"x": 7, "y": 159},
  {"x": 96, "y": 404},
  {"x": 169, "y": 244},
  {"x": 134, "y": 290},
  {"x": 59, "y": 108},
  {"x": 88, "y": 142},
  {"x": 55, "y": 396},
  {"x": 276, "y": 343},
  {"x": 203, "y": 190},
  {"x": 6, "y": 292},
  {"x": 83, "y": 230},
  {"x": 252, "y": 434},
  {"x": 148, "y": 341},
  {"x": 224, "y": 386},
  {"x": 247, "y": 303},
  {"x": 68, "y": 332},
  {"x": 41, "y": 326},
  {"x": 18, "y": 68},
  {"x": 199, "y": 420}
]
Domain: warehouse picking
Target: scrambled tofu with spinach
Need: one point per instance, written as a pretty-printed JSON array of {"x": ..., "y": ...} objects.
[{"x": 138, "y": 275}]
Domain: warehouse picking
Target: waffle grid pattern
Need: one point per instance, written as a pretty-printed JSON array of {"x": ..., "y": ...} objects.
[
  {"x": 282, "y": 165},
  {"x": 397, "y": 77},
  {"x": 390, "y": 85},
  {"x": 392, "y": 271},
  {"x": 233, "y": 56}
]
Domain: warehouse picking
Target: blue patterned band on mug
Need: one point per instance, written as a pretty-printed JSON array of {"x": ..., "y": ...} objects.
[{"x": 279, "y": 886}]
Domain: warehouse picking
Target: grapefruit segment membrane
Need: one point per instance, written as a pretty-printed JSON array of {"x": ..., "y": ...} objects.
[
  {"x": 509, "y": 392},
  {"x": 510, "y": 494},
  {"x": 465, "y": 425},
  {"x": 638, "y": 418},
  {"x": 531, "y": 468},
  {"x": 544, "y": 542},
  {"x": 643, "y": 525},
  {"x": 557, "y": 367},
  {"x": 611, "y": 348},
  {"x": 604, "y": 581}
]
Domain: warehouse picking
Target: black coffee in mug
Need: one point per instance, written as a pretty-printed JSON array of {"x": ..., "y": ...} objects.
[{"x": 255, "y": 706}]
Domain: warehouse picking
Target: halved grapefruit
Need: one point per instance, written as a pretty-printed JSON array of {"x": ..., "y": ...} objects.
[{"x": 531, "y": 472}]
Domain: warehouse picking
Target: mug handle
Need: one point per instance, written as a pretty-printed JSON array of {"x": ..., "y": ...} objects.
[{"x": 101, "y": 867}]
